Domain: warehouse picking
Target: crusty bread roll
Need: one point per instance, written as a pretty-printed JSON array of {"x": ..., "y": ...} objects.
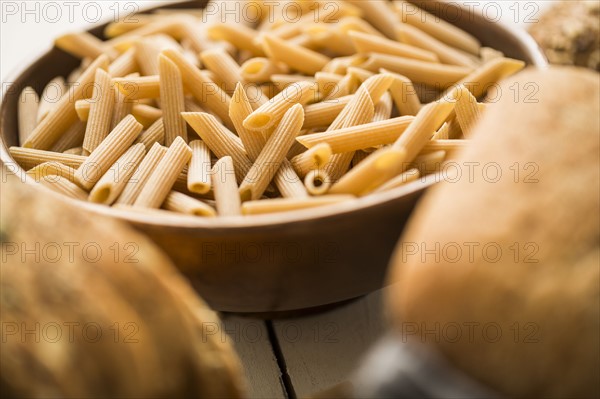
[
  {"x": 89, "y": 308},
  {"x": 524, "y": 322}
]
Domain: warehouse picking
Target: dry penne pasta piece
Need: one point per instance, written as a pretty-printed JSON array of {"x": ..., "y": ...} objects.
[
  {"x": 327, "y": 82},
  {"x": 124, "y": 65},
  {"x": 365, "y": 43},
  {"x": 82, "y": 107},
  {"x": 282, "y": 81},
  {"x": 107, "y": 153},
  {"x": 167, "y": 26},
  {"x": 428, "y": 163},
  {"x": 340, "y": 65},
  {"x": 436, "y": 27},
  {"x": 52, "y": 168},
  {"x": 270, "y": 113},
  {"x": 29, "y": 158},
  {"x": 288, "y": 182},
  {"x": 345, "y": 87},
  {"x": 123, "y": 107},
  {"x": 239, "y": 110},
  {"x": 400, "y": 180},
  {"x": 63, "y": 186},
  {"x": 101, "y": 111},
  {"x": 118, "y": 28},
  {"x": 445, "y": 145},
  {"x": 141, "y": 175},
  {"x": 192, "y": 106},
  {"x": 488, "y": 75},
  {"x": 431, "y": 74},
  {"x": 74, "y": 151},
  {"x": 51, "y": 95},
  {"x": 315, "y": 158},
  {"x": 467, "y": 110},
  {"x": 291, "y": 204},
  {"x": 184, "y": 204},
  {"x": 405, "y": 96},
  {"x": 317, "y": 182},
  {"x": 348, "y": 24},
  {"x": 260, "y": 69},
  {"x": 488, "y": 54},
  {"x": 148, "y": 49},
  {"x": 220, "y": 63},
  {"x": 296, "y": 57},
  {"x": 204, "y": 90},
  {"x": 82, "y": 45},
  {"x": 383, "y": 108},
  {"x": 426, "y": 123},
  {"x": 146, "y": 114},
  {"x": 273, "y": 154},
  {"x": 329, "y": 38},
  {"x": 360, "y": 74},
  {"x": 141, "y": 87},
  {"x": 113, "y": 182},
  {"x": 154, "y": 134},
  {"x": 199, "y": 171},
  {"x": 359, "y": 137},
  {"x": 63, "y": 115},
  {"x": 164, "y": 176},
  {"x": 240, "y": 36},
  {"x": 378, "y": 14},
  {"x": 446, "y": 54},
  {"x": 376, "y": 169},
  {"x": 324, "y": 113},
  {"x": 171, "y": 100},
  {"x": 227, "y": 197},
  {"x": 27, "y": 113},
  {"x": 220, "y": 141}
]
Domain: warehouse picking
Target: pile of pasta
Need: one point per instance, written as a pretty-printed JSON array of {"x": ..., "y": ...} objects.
[{"x": 283, "y": 106}]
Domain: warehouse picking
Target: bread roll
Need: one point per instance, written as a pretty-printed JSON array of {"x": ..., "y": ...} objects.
[
  {"x": 524, "y": 322},
  {"x": 89, "y": 308}
]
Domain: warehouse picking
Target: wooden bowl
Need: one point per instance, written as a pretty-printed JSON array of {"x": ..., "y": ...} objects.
[{"x": 279, "y": 262}]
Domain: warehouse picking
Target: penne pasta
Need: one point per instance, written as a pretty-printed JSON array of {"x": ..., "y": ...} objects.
[
  {"x": 199, "y": 172},
  {"x": 136, "y": 183},
  {"x": 220, "y": 63},
  {"x": 146, "y": 114},
  {"x": 101, "y": 111},
  {"x": 63, "y": 186},
  {"x": 63, "y": 115},
  {"x": 122, "y": 107},
  {"x": 260, "y": 70},
  {"x": 113, "y": 182},
  {"x": 82, "y": 107},
  {"x": 404, "y": 94},
  {"x": 240, "y": 36},
  {"x": 161, "y": 181},
  {"x": 384, "y": 108},
  {"x": 141, "y": 87},
  {"x": 327, "y": 82},
  {"x": 291, "y": 204},
  {"x": 379, "y": 14},
  {"x": 239, "y": 110},
  {"x": 488, "y": 75},
  {"x": 51, "y": 95},
  {"x": 27, "y": 113},
  {"x": 282, "y": 81},
  {"x": 149, "y": 48},
  {"x": 445, "y": 145},
  {"x": 330, "y": 38},
  {"x": 118, "y": 28},
  {"x": 52, "y": 168},
  {"x": 428, "y": 163},
  {"x": 288, "y": 182},
  {"x": 82, "y": 45},
  {"x": 400, "y": 180},
  {"x": 317, "y": 182},
  {"x": 296, "y": 57},
  {"x": 467, "y": 110},
  {"x": 74, "y": 151},
  {"x": 324, "y": 113},
  {"x": 154, "y": 134},
  {"x": 29, "y": 158},
  {"x": 171, "y": 100},
  {"x": 366, "y": 43},
  {"x": 181, "y": 203},
  {"x": 107, "y": 153},
  {"x": 124, "y": 65},
  {"x": 315, "y": 158},
  {"x": 227, "y": 197}
]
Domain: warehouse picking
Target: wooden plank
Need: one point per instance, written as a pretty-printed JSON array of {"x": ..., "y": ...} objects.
[
  {"x": 322, "y": 350},
  {"x": 251, "y": 341}
]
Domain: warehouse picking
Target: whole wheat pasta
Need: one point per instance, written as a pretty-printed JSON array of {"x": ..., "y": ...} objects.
[
  {"x": 274, "y": 152},
  {"x": 224, "y": 66},
  {"x": 63, "y": 186},
  {"x": 146, "y": 114},
  {"x": 436, "y": 75},
  {"x": 141, "y": 175},
  {"x": 239, "y": 110},
  {"x": 428, "y": 163},
  {"x": 366, "y": 43},
  {"x": 51, "y": 95},
  {"x": 405, "y": 96},
  {"x": 486, "y": 76},
  {"x": 148, "y": 49},
  {"x": 260, "y": 70},
  {"x": 324, "y": 113},
  {"x": 359, "y": 137},
  {"x": 437, "y": 27},
  {"x": 327, "y": 82},
  {"x": 446, "y": 54},
  {"x": 288, "y": 182},
  {"x": 113, "y": 182},
  {"x": 400, "y": 180},
  {"x": 29, "y": 158},
  {"x": 426, "y": 123},
  {"x": 124, "y": 65},
  {"x": 294, "y": 56},
  {"x": 74, "y": 151},
  {"x": 220, "y": 141},
  {"x": 52, "y": 168},
  {"x": 445, "y": 145},
  {"x": 317, "y": 182},
  {"x": 204, "y": 90},
  {"x": 82, "y": 107},
  {"x": 270, "y": 113},
  {"x": 198, "y": 178},
  {"x": 384, "y": 108},
  {"x": 291, "y": 204},
  {"x": 181, "y": 203},
  {"x": 122, "y": 107},
  {"x": 467, "y": 110},
  {"x": 154, "y": 134},
  {"x": 172, "y": 100},
  {"x": 82, "y": 45},
  {"x": 27, "y": 113},
  {"x": 379, "y": 14},
  {"x": 376, "y": 169},
  {"x": 101, "y": 110},
  {"x": 63, "y": 115},
  {"x": 225, "y": 186},
  {"x": 141, "y": 87},
  {"x": 109, "y": 150},
  {"x": 315, "y": 158},
  {"x": 240, "y": 36},
  {"x": 162, "y": 179}
]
